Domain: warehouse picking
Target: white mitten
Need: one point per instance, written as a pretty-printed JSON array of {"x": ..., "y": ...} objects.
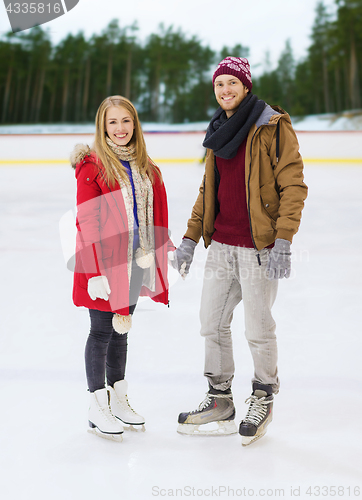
[{"x": 98, "y": 288}]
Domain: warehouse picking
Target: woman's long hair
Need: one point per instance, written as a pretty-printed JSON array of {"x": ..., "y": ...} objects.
[{"x": 109, "y": 159}]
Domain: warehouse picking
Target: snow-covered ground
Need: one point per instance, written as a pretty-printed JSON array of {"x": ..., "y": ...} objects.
[
  {"x": 346, "y": 120},
  {"x": 315, "y": 439}
]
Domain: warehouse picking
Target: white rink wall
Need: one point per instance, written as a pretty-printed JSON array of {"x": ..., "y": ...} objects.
[
  {"x": 57, "y": 147},
  {"x": 337, "y": 146},
  {"x": 168, "y": 147}
]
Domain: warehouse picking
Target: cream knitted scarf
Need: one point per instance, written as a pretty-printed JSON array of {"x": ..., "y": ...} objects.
[{"x": 144, "y": 199}]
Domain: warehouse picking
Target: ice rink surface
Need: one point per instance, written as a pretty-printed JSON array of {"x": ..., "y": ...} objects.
[{"x": 315, "y": 438}]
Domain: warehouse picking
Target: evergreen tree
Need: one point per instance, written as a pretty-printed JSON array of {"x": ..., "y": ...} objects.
[
  {"x": 168, "y": 76},
  {"x": 349, "y": 40},
  {"x": 319, "y": 56}
]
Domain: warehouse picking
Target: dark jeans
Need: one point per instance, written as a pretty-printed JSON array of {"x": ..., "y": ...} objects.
[{"x": 106, "y": 350}]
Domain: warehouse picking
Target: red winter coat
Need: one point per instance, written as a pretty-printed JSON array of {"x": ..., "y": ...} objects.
[{"x": 102, "y": 239}]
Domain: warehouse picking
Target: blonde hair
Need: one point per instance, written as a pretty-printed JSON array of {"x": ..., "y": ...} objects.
[{"x": 109, "y": 159}]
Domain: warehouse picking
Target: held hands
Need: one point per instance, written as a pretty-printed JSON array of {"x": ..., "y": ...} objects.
[
  {"x": 181, "y": 258},
  {"x": 279, "y": 264},
  {"x": 98, "y": 288}
]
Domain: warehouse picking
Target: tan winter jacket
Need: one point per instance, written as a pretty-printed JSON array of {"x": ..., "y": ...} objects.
[{"x": 275, "y": 190}]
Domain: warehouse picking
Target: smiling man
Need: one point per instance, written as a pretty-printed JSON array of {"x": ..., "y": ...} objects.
[
  {"x": 248, "y": 210},
  {"x": 229, "y": 93}
]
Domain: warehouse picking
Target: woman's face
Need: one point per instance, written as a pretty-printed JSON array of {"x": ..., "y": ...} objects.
[{"x": 119, "y": 125}]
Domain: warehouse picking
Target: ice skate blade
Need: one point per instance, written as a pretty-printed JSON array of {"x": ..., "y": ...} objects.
[
  {"x": 219, "y": 428},
  {"x": 246, "y": 440},
  {"x": 134, "y": 427},
  {"x": 111, "y": 437}
]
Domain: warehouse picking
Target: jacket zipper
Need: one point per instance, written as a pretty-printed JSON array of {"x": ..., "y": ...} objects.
[
  {"x": 277, "y": 153},
  {"x": 251, "y": 228},
  {"x": 203, "y": 210}
]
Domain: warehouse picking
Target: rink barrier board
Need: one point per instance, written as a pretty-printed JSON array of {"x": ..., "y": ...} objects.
[
  {"x": 172, "y": 160},
  {"x": 63, "y": 162},
  {"x": 319, "y": 147}
]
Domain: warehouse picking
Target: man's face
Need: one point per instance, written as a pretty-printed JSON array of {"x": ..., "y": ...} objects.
[{"x": 229, "y": 93}]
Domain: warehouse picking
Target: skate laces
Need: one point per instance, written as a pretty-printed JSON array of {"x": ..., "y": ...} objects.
[
  {"x": 257, "y": 409},
  {"x": 106, "y": 412},
  {"x": 125, "y": 403},
  {"x": 206, "y": 402}
]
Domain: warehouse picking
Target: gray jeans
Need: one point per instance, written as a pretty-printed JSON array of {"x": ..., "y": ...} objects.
[{"x": 232, "y": 274}]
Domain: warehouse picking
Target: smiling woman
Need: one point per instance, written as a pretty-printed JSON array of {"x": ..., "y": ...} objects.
[
  {"x": 121, "y": 253},
  {"x": 119, "y": 125}
]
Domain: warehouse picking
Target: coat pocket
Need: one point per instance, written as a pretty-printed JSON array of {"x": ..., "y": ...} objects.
[
  {"x": 107, "y": 254},
  {"x": 270, "y": 201}
]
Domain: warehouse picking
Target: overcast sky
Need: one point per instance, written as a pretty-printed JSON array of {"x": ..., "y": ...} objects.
[{"x": 261, "y": 25}]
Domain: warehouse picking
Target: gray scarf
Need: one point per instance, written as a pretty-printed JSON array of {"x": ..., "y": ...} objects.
[{"x": 224, "y": 135}]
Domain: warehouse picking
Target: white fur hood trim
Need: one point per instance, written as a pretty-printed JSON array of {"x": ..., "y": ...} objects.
[{"x": 78, "y": 154}]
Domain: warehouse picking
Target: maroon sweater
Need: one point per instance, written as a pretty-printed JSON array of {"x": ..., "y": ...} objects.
[{"x": 232, "y": 222}]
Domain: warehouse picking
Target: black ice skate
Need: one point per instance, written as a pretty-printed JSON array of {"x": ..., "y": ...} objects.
[
  {"x": 214, "y": 416},
  {"x": 259, "y": 414}
]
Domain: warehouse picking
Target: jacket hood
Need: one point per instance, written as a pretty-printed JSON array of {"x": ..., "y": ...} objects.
[
  {"x": 78, "y": 154},
  {"x": 270, "y": 115}
]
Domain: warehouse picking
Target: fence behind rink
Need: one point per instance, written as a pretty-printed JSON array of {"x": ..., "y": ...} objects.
[{"x": 171, "y": 147}]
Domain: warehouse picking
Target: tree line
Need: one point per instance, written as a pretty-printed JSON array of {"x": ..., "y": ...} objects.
[
  {"x": 328, "y": 79},
  {"x": 168, "y": 76}
]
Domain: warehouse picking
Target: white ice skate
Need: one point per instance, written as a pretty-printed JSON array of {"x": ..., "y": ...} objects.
[
  {"x": 122, "y": 409},
  {"x": 101, "y": 421}
]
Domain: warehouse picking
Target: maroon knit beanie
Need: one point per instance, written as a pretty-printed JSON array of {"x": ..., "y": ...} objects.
[{"x": 236, "y": 66}]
